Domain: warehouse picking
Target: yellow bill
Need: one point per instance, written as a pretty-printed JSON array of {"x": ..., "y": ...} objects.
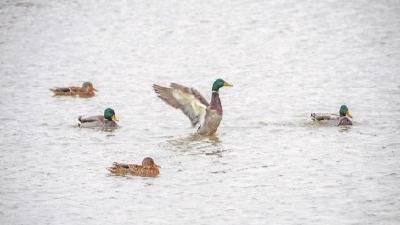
[
  {"x": 226, "y": 84},
  {"x": 114, "y": 118},
  {"x": 349, "y": 114}
]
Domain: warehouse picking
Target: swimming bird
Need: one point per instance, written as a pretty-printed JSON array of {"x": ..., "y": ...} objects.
[
  {"x": 344, "y": 117},
  {"x": 106, "y": 121},
  {"x": 86, "y": 91},
  {"x": 194, "y": 105},
  {"x": 147, "y": 169}
]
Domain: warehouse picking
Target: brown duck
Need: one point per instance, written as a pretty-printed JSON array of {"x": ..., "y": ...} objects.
[
  {"x": 147, "y": 169},
  {"x": 194, "y": 105},
  {"x": 86, "y": 91}
]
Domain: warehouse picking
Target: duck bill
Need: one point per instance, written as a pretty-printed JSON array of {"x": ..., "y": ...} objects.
[
  {"x": 114, "y": 118},
  {"x": 159, "y": 167},
  {"x": 349, "y": 114},
  {"x": 226, "y": 84},
  {"x": 94, "y": 89}
]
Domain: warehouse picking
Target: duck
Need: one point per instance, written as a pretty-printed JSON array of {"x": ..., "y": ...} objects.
[
  {"x": 199, "y": 111},
  {"x": 344, "y": 118},
  {"x": 105, "y": 121},
  {"x": 86, "y": 91},
  {"x": 147, "y": 169}
]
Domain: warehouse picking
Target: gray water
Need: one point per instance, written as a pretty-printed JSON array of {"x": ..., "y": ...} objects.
[{"x": 268, "y": 163}]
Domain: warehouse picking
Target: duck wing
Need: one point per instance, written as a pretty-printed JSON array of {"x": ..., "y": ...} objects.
[
  {"x": 189, "y": 100},
  {"x": 119, "y": 168},
  {"x": 323, "y": 116},
  {"x": 122, "y": 165},
  {"x": 91, "y": 121},
  {"x": 64, "y": 90}
]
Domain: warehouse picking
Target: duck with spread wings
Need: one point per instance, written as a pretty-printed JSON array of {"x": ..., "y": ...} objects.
[{"x": 194, "y": 105}]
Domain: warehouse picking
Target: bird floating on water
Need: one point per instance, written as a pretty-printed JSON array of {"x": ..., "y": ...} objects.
[
  {"x": 106, "y": 121},
  {"x": 147, "y": 169},
  {"x": 194, "y": 105},
  {"x": 344, "y": 117},
  {"x": 86, "y": 91}
]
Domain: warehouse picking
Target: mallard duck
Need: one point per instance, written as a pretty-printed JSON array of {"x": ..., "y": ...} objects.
[
  {"x": 87, "y": 90},
  {"x": 344, "y": 117},
  {"x": 147, "y": 169},
  {"x": 108, "y": 120},
  {"x": 194, "y": 105}
]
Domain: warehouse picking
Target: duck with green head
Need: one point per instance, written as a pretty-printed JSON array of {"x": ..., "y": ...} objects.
[
  {"x": 344, "y": 117},
  {"x": 207, "y": 115},
  {"x": 86, "y": 91},
  {"x": 105, "y": 121}
]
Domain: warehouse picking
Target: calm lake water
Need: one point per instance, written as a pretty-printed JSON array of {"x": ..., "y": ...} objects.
[{"x": 268, "y": 164}]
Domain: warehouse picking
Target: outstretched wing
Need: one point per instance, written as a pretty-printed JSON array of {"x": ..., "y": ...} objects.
[{"x": 189, "y": 100}]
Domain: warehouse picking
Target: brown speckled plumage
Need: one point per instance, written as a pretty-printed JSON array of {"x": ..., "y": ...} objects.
[
  {"x": 86, "y": 91},
  {"x": 147, "y": 169}
]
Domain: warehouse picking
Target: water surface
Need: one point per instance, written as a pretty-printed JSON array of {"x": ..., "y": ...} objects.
[{"x": 268, "y": 164}]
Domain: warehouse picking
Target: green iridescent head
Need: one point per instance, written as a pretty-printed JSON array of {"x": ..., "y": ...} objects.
[
  {"x": 344, "y": 111},
  {"x": 219, "y": 83},
  {"x": 109, "y": 114}
]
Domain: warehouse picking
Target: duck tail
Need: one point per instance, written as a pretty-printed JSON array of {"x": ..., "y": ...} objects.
[
  {"x": 61, "y": 91},
  {"x": 79, "y": 121},
  {"x": 118, "y": 168},
  {"x": 54, "y": 90}
]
